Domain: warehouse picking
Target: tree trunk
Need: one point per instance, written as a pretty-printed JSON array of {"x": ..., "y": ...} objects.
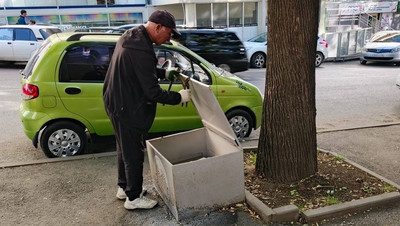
[{"x": 287, "y": 148}]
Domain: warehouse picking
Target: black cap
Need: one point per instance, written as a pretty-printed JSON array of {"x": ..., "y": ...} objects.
[{"x": 165, "y": 19}]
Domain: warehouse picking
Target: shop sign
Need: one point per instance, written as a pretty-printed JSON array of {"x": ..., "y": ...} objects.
[{"x": 368, "y": 7}]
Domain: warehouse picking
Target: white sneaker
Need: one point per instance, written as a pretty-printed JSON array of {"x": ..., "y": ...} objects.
[
  {"x": 121, "y": 195},
  {"x": 140, "y": 203}
]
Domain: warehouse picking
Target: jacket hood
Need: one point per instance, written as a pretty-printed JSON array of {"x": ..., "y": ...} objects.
[{"x": 133, "y": 39}]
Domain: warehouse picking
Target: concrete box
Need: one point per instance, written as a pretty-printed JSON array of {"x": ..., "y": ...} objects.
[{"x": 200, "y": 170}]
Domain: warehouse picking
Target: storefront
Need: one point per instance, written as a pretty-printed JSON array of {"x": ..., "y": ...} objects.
[
  {"x": 246, "y": 17},
  {"x": 75, "y": 13}
]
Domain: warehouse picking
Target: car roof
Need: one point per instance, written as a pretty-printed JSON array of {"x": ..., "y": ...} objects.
[
  {"x": 128, "y": 26},
  {"x": 87, "y": 36},
  {"x": 28, "y": 26}
]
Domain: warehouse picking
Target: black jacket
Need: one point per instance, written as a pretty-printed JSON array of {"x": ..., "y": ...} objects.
[{"x": 131, "y": 90}]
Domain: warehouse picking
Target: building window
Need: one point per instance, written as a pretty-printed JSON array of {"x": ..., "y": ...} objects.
[
  {"x": 250, "y": 14},
  {"x": 235, "y": 14},
  {"x": 80, "y": 2},
  {"x": 125, "y": 2},
  {"x": 13, "y": 3},
  {"x": 203, "y": 13},
  {"x": 219, "y": 15}
]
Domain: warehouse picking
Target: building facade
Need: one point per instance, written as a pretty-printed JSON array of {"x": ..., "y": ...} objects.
[{"x": 246, "y": 17}]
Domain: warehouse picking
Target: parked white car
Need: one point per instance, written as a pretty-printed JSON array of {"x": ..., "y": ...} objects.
[
  {"x": 18, "y": 42},
  {"x": 256, "y": 49},
  {"x": 384, "y": 46}
]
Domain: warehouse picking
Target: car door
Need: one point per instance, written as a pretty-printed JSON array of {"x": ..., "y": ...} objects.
[
  {"x": 24, "y": 44},
  {"x": 6, "y": 41},
  {"x": 178, "y": 117},
  {"x": 80, "y": 83}
]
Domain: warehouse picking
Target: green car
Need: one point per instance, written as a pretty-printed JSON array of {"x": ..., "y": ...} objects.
[{"x": 62, "y": 88}]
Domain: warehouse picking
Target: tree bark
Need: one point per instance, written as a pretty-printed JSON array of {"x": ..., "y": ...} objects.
[{"x": 287, "y": 148}]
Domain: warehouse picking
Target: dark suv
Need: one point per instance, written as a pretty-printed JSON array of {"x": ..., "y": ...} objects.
[{"x": 222, "y": 48}]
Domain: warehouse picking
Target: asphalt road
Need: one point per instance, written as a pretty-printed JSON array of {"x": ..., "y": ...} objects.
[{"x": 349, "y": 94}]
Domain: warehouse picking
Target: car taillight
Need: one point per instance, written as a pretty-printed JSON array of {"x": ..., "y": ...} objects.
[
  {"x": 30, "y": 91},
  {"x": 323, "y": 42}
]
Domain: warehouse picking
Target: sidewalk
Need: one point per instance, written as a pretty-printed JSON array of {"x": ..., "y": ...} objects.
[{"x": 82, "y": 192}]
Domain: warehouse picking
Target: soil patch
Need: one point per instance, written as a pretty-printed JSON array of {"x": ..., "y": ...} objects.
[{"x": 335, "y": 182}]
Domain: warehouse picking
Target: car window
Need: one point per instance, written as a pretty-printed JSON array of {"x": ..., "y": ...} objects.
[
  {"x": 36, "y": 56},
  {"x": 259, "y": 38},
  {"x": 6, "y": 33},
  {"x": 211, "y": 40},
  {"x": 228, "y": 39},
  {"x": 49, "y": 31},
  {"x": 24, "y": 34},
  {"x": 177, "y": 59},
  {"x": 86, "y": 63}
]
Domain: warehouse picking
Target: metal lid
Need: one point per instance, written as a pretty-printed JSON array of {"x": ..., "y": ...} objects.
[{"x": 210, "y": 111}]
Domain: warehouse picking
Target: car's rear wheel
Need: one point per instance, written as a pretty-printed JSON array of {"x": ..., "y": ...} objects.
[
  {"x": 258, "y": 60},
  {"x": 225, "y": 67},
  {"x": 363, "y": 62},
  {"x": 62, "y": 139},
  {"x": 319, "y": 58},
  {"x": 241, "y": 122}
]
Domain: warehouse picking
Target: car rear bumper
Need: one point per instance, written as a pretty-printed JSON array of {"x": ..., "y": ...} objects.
[{"x": 32, "y": 122}]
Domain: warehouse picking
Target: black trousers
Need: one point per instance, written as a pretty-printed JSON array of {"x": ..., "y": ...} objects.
[{"x": 130, "y": 153}]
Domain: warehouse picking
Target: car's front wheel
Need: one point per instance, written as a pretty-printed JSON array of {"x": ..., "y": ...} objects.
[
  {"x": 319, "y": 58},
  {"x": 241, "y": 122},
  {"x": 62, "y": 139},
  {"x": 258, "y": 60}
]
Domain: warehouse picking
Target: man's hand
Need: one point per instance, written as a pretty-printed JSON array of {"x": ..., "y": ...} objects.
[
  {"x": 185, "y": 95},
  {"x": 171, "y": 74}
]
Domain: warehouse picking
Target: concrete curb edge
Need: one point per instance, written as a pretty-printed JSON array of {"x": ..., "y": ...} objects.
[
  {"x": 282, "y": 214},
  {"x": 271, "y": 215},
  {"x": 354, "y": 206},
  {"x": 54, "y": 160}
]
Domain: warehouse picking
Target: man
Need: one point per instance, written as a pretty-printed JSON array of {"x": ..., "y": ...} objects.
[
  {"x": 131, "y": 92},
  {"x": 21, "y": 19}
]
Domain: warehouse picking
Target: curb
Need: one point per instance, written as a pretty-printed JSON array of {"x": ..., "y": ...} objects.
[
  {"x": 291, "y": 212},
  {"x": 350, "y": 207},
  {"x": 54, "y": 160},
  {"x": 282, "y": 214},
  {"x": 357, "y": 128}
]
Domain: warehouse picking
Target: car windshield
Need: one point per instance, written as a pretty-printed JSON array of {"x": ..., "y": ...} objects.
[
  {"x": 259, "y": 38},
  {"x": 46, "y": 32},
  {"x": 387, "y": 37},
  {"x": 208, "y": 64}
]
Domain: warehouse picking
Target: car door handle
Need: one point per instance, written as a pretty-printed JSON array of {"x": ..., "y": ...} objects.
[
  {"x": 72, "y": 90},
  {"x": 9, "y": 43},
  {"x": 32, "y": 44}
]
